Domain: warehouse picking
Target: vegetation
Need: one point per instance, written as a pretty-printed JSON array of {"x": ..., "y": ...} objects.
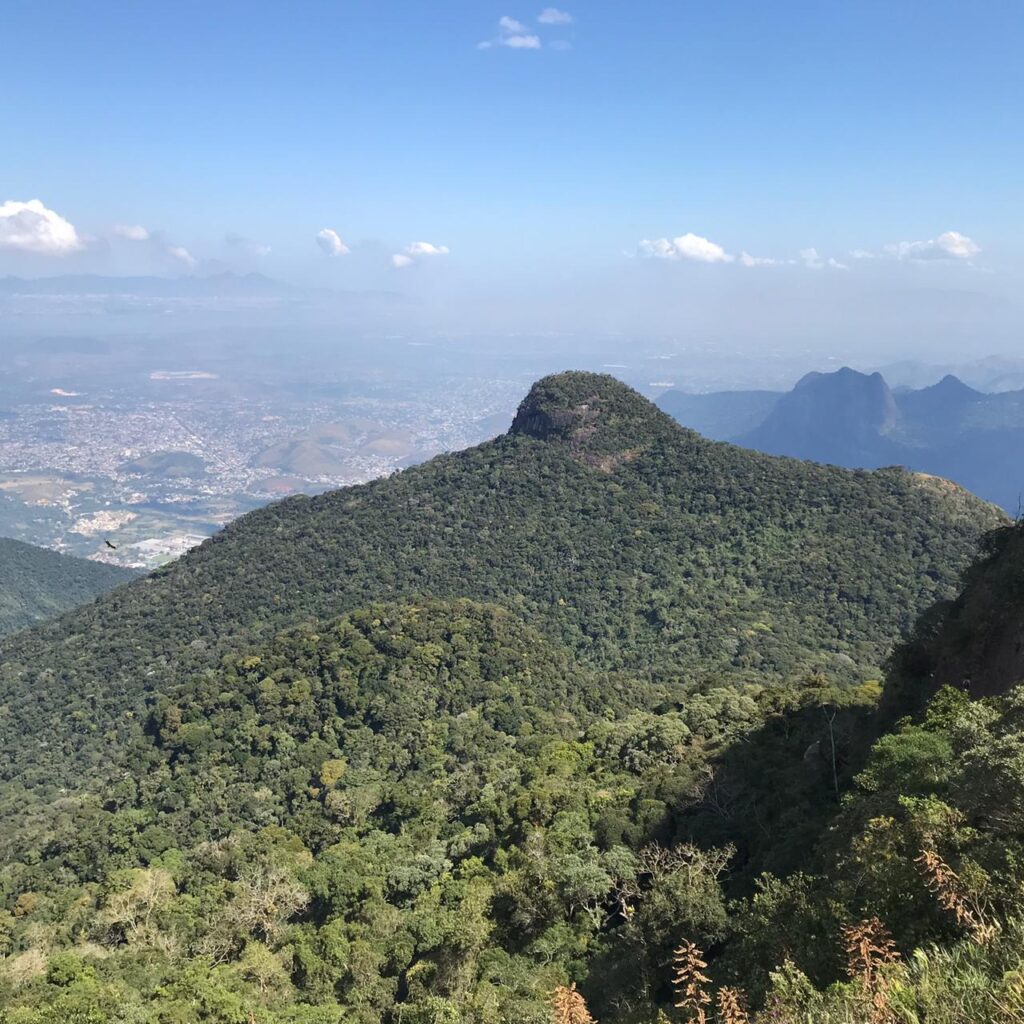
[
  {"x": 36, "y": 584},
  {"x": 632, "y": 542},
  {"x": 495, "y": 741}
]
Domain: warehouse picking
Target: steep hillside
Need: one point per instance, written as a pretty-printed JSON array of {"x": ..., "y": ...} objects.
[
  {"x": 975, "y": 643},
  {"x": 37, "y": 584},
  {"x": 419, "y": 812},
  {"x": 636, "y": 544}
]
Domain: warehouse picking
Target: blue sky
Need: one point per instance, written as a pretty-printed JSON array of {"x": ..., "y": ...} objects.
[{"x": 764, "y": 128}]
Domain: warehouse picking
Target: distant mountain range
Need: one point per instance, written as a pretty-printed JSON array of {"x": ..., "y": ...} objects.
[
  {"x": 857, "y": 420},
  {"x": 37, "y": 584}
]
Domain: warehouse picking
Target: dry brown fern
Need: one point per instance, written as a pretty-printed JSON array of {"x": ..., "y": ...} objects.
[
  {"x": 952, "y": 895},
  {"x": 732, "y": 1006},
  {"x": 869, "y": 949},
  {"x": 569, "y": 1006},
  {"x": 690, "y": 982}
]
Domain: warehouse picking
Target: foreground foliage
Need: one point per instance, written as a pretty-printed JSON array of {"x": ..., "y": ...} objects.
[{"x": 428, "y": 812}]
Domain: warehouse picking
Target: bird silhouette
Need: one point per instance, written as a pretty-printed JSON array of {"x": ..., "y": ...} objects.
[{"x": 113, "y": 547}]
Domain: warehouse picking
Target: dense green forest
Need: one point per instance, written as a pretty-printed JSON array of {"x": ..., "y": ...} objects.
[
  {"x": 593, "y": 712},
  {"x": 37, "y": 584},
  {"x": 633, "y": 542}
]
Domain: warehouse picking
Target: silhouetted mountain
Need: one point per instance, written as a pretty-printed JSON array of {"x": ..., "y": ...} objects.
[
  {"x": 843, "y": 418},
  {"x": 855, "y": 420}
]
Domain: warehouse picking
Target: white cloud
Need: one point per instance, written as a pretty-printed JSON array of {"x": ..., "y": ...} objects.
[
  {"x": 746, "y": 260},
  {"x": 331, "y": 243},
  {"x": 248, "y": 245},
  {"x": 133, "y": 232},
  {"x": 813, "y": 259},
  {"x": 180, "y": 253},
  {"x": 522, "y": 42},
  {"x": 509, "y": 26},
  {"x": 31, "y": 227},
  {"x": 950, "y": 245},
  {"x": 415, "y": 250},
  {"x": 512, "y": 34},
  {"x": 703, "y": 250},
  {"x": 862, "y": 254},
  {"x": 685, "y": 247},
  {"x": 553, "y": 16},
  {"x": 426, "y": 249}
]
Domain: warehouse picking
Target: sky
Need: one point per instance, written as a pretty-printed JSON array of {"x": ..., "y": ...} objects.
[{"x": 763, "y": 169}]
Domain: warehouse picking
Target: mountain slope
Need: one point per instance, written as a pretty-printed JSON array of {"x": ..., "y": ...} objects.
[
  {"x": 37, "y": 584},
  {"x": 637, "y": 544},
  {"x": 974, "y": 643}
]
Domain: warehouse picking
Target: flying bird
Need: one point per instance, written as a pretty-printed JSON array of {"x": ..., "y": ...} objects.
[{"x": 113, "y": 547}]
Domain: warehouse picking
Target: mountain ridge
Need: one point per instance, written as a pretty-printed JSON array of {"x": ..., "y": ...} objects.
[
  {"x": 37, "y": 584},
  {"x": 689, "y": 557}
]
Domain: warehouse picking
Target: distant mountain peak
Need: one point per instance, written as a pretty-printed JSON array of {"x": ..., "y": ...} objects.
[
  {"x": 952, "y": 385},
  {"x": 844, "y": 416},
  {"x": 845, "y": 376},
  {"x": 604, "y": 421}
]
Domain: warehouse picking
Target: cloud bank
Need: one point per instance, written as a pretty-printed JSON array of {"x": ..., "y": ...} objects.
[
  {"x": 698, "y": 249},
  {"x": 133, "y": 232},
  {"x": 950, "y": 245},
  {"x": 248, "y": 245}
]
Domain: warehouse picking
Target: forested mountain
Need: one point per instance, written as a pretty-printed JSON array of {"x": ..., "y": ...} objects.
[
  {"x": 855, "y": 420},
  {"x": 532, "y": 714},
  {"x": 37, "y": 584},
  {"x": 638, "y": 545}
]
